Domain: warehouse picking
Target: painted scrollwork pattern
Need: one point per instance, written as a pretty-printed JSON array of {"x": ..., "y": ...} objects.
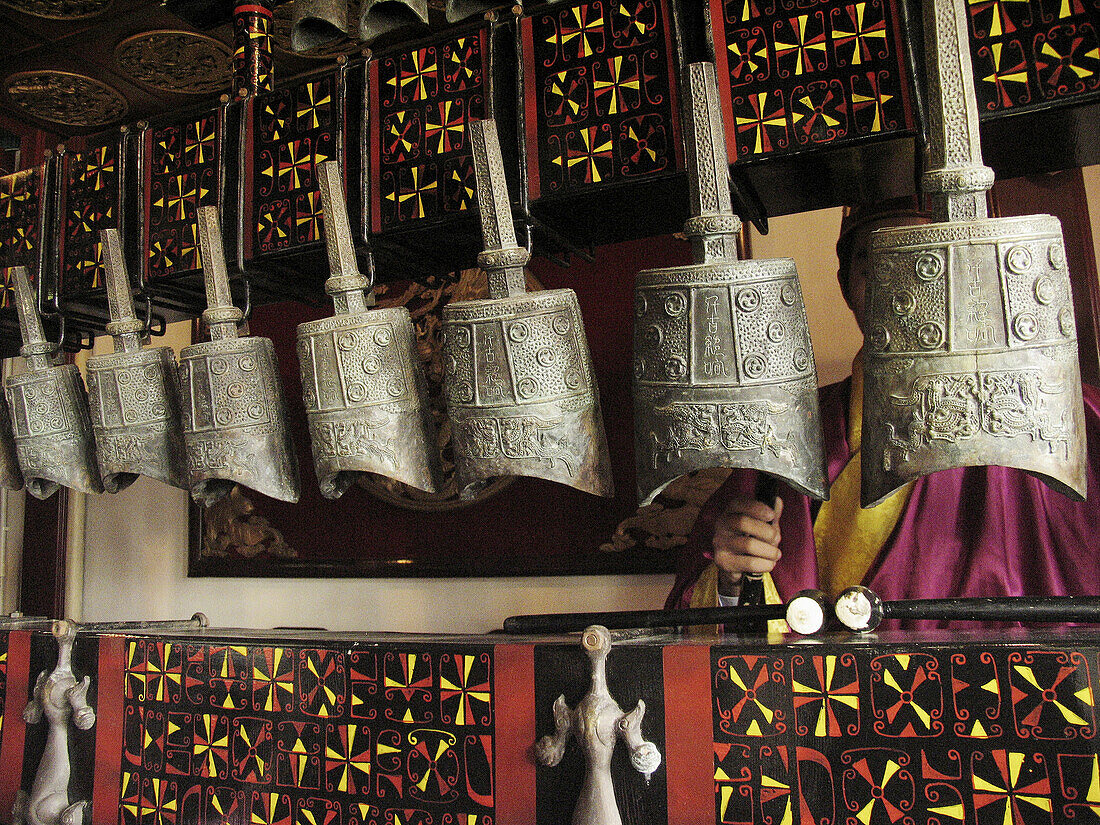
[
  {"x": 801, "y": 75},
  {"x": 21, "y": 204},
  {"x": 597, "y": 78},
  {"x": 978, "y": 735},
  {"x": 422, "y": 101},
  {"x": 91, "y": 201},
  {"x": 300, "y": 734}
]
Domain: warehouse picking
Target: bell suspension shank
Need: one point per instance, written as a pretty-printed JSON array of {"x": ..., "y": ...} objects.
[
  {"x": 345, "y": 285},
  {"x": 957, "y": 179},
  {"x": 36, "y": 349},
  {"x": 124, "y": 326},
  {"x": 713, "y": 227},
  {"x": 221, "y": 316},
  {"x": 503, "y": 259}
]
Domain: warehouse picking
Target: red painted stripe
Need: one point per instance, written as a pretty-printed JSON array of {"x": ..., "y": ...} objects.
[
  {"x": 249, "y": 8},
  {"x": 15, "y": 729},
  {"x": 689, "y": 734},
  {"x": 108, "y": 728},
  {"x": 514, "y": 698}
]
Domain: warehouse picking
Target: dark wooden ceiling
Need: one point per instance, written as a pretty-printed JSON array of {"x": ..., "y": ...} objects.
[{"x": 72, "y": 67}]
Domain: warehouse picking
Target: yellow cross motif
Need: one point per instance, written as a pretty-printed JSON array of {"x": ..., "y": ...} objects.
[
  {"x": 751, "y": 60},
  {"x": 616, "y": 84},
  {"x": 466, "y": 191},
  {"x": 1080, "y": 71},
  {"x": 585, "y": 28},
  {"x": 267, "y": 224},
  {"x": 862, "y": 33},
  {"x": 1000, "y": 75},
  {"x": 204, "y": 750},
  {"x": 273, "y": 682},
  {"x": 1015, "y": 764},
  {"x": 328, "y": 695},
  {"x": 588, "y": 155},
  {"x": 801, "y": 46},
  {"x": 808, "y": 104},
  {"x": 178, "y": 195},
  {"x": 267, "y": 811},
  {"x": 446, "y": 125},
  {"x": 457, "y": 59},
  {"x": 868, "y": 810},
  {"x": 247, "y": 739},
  {"x": 825, "y": 695},
  {"x": 131, "y": 787},
  {"x": 168, "y": 155},
  {"x": 311, "y": 218},
  {"x": 465, "y": 663},
  {"x": 349, "y": 762},
  {"x": 161, "y": 802},
  {"x": 422, "y": 70},
  {"x": 635, "y": 20},
  {"x": 309, "y": 110},
  {"x": 1084, "y": 695},
  {"x": 417, "y": 193},
  {"x": 879, "y": 104},
  {"x": 1001, "y": 22},
  {"x": 632, "y": 134},
  {"x": 199, "y": 140},
  {"x": 94, "y": 263},
  {"x": 279, "y": 123},
  {"x": 98, "y": 167},
  {"x": 890, "y": 681},
  {"x": 761, "y": 121}
]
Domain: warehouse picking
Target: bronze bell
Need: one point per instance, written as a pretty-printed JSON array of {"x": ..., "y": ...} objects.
[
  {"x": 49, "y": 409},
  {"x": 379, "y": 17},
  {"x": 517, "y": 375},
  {"x": 133, "y": 394},
  {"x": 317, "y": 22},
  {"x": 10, "y": 474},
  {"x": 457, "y": 10},
  {"x": 233, "y": 412},
  {"x": 970, "y": 351},
  {"x": 724, "y": 372},
  {"x": 362, "y": 383}
]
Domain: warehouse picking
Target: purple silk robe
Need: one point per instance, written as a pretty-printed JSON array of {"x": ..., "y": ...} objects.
[{"x": 974, "y": 531}]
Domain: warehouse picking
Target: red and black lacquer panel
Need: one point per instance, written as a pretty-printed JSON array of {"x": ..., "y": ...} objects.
[
  {"x": 969, "y": 733},
  {"x": 277, "y": 733},
  {"x": 1034, "y": 53},
  {"x": 291, "y": 130},
  {"x": 182, "y": 167},
  {"x": 22, "y": 200},
  {"x": 600, "y": 95},
  {"x": 421, "y": 102},
  {"x": 797, "y": 76},
  {"x": 91, "y": 199}
]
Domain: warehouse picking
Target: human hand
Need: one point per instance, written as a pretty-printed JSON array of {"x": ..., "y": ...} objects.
[{"x": 746, "y": 540}]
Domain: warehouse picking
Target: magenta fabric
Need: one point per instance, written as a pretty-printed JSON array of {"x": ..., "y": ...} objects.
[{"x": 975, "y": 531}]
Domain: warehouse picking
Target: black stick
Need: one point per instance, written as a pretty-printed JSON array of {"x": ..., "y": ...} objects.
[{"x": 734, "y": 618}]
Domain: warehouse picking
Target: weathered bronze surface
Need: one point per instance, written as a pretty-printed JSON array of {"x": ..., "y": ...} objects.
[
  {"x": 10, "y": 474},
  {"x": 233, "y": 412},
  {"x": 49, "y": 409},
  {"x": 517, "y": 376},
  {"x": 133, "y": 393},
  {"x": 724, "y": 372},
  {"x": 970, "y": 343},
  {"x": 176, "y": 61},
  {"x": 316, "y": 23},
  {"x": 65, "y": 97},
  {"x": 383, "y": 16},
  {"x": 363, "y": 387}
]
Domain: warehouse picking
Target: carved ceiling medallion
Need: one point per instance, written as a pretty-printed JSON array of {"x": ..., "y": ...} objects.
[
  {"x": 176, "y": 61},
  {"x": 59, "y": 9},
  {"x": 65, "y": 98}
]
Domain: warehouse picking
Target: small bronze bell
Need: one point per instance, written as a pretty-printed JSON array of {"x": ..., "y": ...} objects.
[
  {"x": 517, "y": 377},
  {"x": 724, "y": 372},
  {"x": 970, "y": 347},
  {"x": 133, "y": 394},
  {"x": 381, "y": 17},
  {"x": 362, "y": 383},
  {"x": 49, "y": 409},
  {"x": 233, "y": 412},
  {"x": 317, "y": 22}
]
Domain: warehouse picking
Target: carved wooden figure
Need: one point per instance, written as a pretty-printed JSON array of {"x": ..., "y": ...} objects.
[
  {"x": 595, "y": 723},
  {"x": 60, "y": 697}
]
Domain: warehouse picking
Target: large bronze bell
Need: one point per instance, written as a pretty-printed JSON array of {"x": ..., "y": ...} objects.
[
  {"x": 317, "y": 22},
  {"x": 362, "y": 383},
  {"x": 517, "y": 377},
  {"x": 457, "y": 10},
  {"x": 10, "y": 474},
  {"x": 133, "y": 393},
  {"x": 49, "y": 409},
  {"x": 970, "y": 353},
  {"x": 233, "y": 412},
  {"x": 724, "y": 372},
  {"x": 379, "y": 17}
]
